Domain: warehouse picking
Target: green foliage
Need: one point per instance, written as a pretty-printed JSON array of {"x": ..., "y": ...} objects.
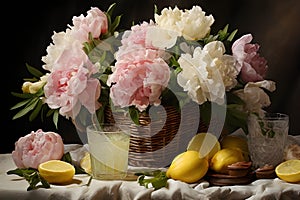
[
  {"x": 134, "y": 114},
  {"x": 157, "y": 179},
  {"x": 32, "y": 176},
  {"x": 67, "y": 158},
  {"x": 35, "y": 72},
  {"x": 223, "y": 35},
  {"x": 235, "y": 116}
]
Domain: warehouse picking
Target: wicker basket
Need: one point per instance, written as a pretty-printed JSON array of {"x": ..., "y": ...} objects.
[{"x": 159, "y": 138}]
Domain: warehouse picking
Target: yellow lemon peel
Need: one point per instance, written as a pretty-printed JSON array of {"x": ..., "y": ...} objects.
[
  {"x": 289, "y": 170},
  {"x": 57, "y": 171}
]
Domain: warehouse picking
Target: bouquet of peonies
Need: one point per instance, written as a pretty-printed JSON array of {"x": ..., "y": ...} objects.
[{"x": 171, "y": 60}]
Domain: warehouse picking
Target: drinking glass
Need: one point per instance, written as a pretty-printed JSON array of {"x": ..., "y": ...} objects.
[
  {"x": 267, "y": 137},
  {"x": 109, "y": 148}
]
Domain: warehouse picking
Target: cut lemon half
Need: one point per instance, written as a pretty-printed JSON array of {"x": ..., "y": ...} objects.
[
  {"x": 57, "y": 171},
  {"x": 289, "y": 171},
  {"x": 206, "y": 144}
]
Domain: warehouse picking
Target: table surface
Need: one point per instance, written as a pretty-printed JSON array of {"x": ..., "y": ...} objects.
[{"x": 14, "y": 187}]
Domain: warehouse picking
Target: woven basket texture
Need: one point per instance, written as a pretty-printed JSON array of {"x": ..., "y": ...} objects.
[{"x": 161, "y": 135}]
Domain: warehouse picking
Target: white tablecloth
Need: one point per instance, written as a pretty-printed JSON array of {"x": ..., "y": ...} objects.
[{"x": 14, "y": 187}]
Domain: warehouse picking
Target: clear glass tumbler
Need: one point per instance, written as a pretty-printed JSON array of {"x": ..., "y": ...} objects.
[
  {"x": 109, "y": 148},
  {"x": 267, "y": 137}
]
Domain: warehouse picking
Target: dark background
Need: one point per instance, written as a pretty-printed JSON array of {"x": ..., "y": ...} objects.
[{"x": 28, "y": 26}]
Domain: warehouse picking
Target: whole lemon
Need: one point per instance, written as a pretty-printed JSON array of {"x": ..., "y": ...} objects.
[
  {"x": 188, "y": 167},
  {"x": 225, "y": 157},
  {"x": 236, "y": 142}
]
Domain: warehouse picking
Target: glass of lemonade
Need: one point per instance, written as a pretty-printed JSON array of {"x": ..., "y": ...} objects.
[{"x": 109, "y": 148}]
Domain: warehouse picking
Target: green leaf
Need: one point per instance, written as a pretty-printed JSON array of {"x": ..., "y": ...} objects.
[
  {"x": 115, "y": 24},
  {"x": 67, "y": 158},
  {"x": 134, "y": 114},
  {"x": 35, "y": 72},
  {"x": 110, "y": 9},
  {"x": 234, "y": 99},
  {"x": 22, "y": 95},
  {"x": 20, "y": 104},
  {"x": 223, "y": 33},
  {"x": 36, "y": 111},
  {"x": 32, "y": 176},
  {"x": 158, "y": 179},
  {"x": 55, "y": 118},
  {"x": 155, "y": 9},
  {"x": 231, "y": 36},
  {"x": 30, "y": 106},
  {"x": 236, "y": 118}
]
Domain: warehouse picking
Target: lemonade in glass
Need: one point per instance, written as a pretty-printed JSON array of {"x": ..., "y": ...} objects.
[{"x": 108, "y": 147}]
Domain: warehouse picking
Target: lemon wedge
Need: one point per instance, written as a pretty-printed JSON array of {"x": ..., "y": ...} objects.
[
  {"x": 57, "y": 171},
  {"x": 85, "y": 163},
  {"x": 289, "y": 171},
  {"x": 206, "y": 144}
]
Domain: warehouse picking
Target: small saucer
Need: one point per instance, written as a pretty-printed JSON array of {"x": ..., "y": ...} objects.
[
  {"x": 265, "y": 172},
  {"x": 225, "y": 179}
]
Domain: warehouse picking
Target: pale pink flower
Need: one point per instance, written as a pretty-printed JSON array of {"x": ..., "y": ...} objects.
[
  {"x": 36, "y": 148},
  {"x": 95, "y": 23},
  {"x": 135, "y": 39},
  {"x": 61, "y": 42},
  {"x": 251, "y": 65},
  {"x": 71, "y": 86},
  {"x": 255, "y": 97},
  {"x": 138, "y": 79}
]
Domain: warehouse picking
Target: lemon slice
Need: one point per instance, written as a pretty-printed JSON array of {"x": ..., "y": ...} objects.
[
  {"x": 85, "y": 163},
  {"x": 289, "y": 171},
  {"x": 56, "y": 171},
  {"x": 206, "y": 144}
]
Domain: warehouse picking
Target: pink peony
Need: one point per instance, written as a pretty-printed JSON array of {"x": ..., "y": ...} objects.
[
  {"x": 37, "y": 147},
  {"x": 139, "y": 79},
  {"x": 251, "y": 65},
  {"x": 135, "y": 39},
  {"x": 140, "y": 73},
  {"x": 95, "y": 23},
  {"x": 71, "y": 86}
]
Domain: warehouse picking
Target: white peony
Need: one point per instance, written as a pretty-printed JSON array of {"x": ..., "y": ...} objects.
[
  {"x": 208, "y": 73},
  {"x": 191, "y": 24},
  {"x": 255, "y": 97},
  {"x": 161, "y": 38}
]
